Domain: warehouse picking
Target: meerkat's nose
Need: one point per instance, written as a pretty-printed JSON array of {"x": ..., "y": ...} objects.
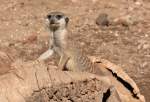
[{"x": 52, "y": 21}]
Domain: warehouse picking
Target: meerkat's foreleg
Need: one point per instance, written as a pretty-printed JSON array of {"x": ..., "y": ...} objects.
[
  {"x": 46, "y": 54},
  {"x": 63, "y": 61}
]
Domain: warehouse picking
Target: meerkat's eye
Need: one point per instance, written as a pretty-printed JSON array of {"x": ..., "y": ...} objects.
[
  {"x": 49, "y": 16},
  {"x": 58, "y": 16}
]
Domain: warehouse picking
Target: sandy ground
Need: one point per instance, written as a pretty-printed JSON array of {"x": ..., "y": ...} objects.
[{"x": 23, "y": 34}]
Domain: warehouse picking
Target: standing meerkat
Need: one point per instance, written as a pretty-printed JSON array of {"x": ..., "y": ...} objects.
[{"x": 71, "y": 56}]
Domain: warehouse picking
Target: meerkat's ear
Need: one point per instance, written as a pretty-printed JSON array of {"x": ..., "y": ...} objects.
[{"x": 67, "y": 20}]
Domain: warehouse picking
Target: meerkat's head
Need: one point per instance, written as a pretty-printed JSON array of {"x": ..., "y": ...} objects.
[{"x": 57, "y": 20}]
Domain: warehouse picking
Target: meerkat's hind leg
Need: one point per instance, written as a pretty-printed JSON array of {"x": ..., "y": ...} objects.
[
  {"x": 63, "y": 61},
  {"x": 46, "y": 54}
]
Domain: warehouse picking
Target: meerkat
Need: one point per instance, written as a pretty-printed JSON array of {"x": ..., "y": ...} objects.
[{"x": 72, "y": 58}]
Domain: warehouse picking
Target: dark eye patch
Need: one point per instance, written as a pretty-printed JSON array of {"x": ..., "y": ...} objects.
[
  {"x": 59, "y": 16},
  {"x": 49, "y": 16}
]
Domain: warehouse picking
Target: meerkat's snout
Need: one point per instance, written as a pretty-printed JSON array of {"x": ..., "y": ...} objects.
[{"x": 57, "y": 20}]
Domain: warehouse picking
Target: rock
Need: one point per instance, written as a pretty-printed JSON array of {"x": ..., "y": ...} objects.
[
  {"x": 102, "y": 20},
  {"x": 126, "y": 20}
]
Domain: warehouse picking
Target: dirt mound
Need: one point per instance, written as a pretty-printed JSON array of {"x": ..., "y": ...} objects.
[
  {"x": 82, "y": 91},
  {"x": 28, "y": 80},
  {"x": 35, "y": 82}
]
